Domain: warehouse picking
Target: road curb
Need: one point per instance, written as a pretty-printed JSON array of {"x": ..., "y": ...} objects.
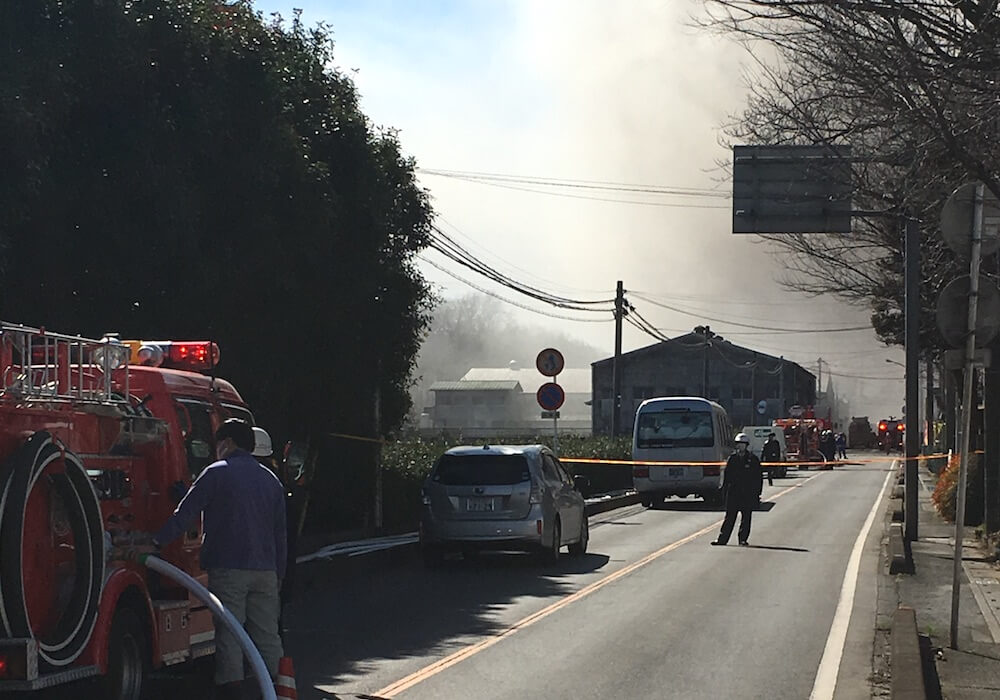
[
  {"x": 896, "y": 509},
  {"x": 309, "y": 572},
  {"x": 611, "y": 504},
  {"x": 907, "y": 665},
  {"x": 899, "y": 560}
]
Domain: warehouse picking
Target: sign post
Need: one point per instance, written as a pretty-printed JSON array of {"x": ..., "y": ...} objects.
[
  {"x": 956, "y": 231},
  {"x": 550, "y": 396},
  {"x": 808, "y": 189}
]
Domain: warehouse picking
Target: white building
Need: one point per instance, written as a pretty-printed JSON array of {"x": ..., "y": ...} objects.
[{"x": 490, "y": 401}]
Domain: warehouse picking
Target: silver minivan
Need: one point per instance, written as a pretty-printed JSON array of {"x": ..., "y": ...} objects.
[{"x": 502, "y": 497}]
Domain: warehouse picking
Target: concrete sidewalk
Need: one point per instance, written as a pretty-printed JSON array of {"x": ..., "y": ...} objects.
[{"x": 972, "y": 672}]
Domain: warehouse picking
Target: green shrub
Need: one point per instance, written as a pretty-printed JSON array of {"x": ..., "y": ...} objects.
[{"x": 407, "y": 462}]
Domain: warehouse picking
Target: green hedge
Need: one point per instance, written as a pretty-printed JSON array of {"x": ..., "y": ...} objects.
[{"x": 406, "y": 463}]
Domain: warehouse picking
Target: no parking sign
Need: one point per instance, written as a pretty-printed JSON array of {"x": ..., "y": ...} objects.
[{"x": 550, "y": 396}]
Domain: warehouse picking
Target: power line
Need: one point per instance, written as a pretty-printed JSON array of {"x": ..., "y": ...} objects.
[
  {"x": 579, "y": 184},
  {"x": 444, "y": 244},
  {"x": 522, "y": 270},
  {"x": 714, "y": 300},
  {"x": 554, "y": 193},
  {"x": 511, "y": 301},
  {"x": 749, "y": 325}
]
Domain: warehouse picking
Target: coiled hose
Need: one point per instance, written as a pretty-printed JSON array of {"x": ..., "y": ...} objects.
[
  {"x": 67, "y": 639},
  {"x": 221, "y": 614}
]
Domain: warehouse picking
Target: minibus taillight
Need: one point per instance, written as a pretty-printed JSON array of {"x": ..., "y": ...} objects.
[{"x": 640, "y": 472}]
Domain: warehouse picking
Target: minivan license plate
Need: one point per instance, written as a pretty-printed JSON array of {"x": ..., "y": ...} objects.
[
  {"x": 676, "y": 472},
  {"x": 479, "y": 505}
]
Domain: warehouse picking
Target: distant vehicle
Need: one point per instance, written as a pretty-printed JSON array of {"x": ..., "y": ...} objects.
[
  {"x": 802, "y": 437},
  {"x": 502, "y": 497},
  {"x": 860, "y": 434},
  {"x": 758, "y": 436},
  {"x": 890, "y": 434},
  {"x": 688, "y": 432}
]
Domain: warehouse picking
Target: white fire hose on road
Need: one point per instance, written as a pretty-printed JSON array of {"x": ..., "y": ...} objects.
[{"x": 221, "y": 615}]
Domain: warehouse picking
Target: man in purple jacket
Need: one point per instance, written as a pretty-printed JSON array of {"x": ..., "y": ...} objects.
[{"x": 243, "y": 549}]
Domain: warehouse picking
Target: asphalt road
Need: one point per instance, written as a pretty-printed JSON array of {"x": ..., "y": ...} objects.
[{"x": 651, "y": 612}]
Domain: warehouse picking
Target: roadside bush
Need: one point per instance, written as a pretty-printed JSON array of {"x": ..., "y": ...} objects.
[
  {"x": 946, "y": 492},
  {"x": 407, "y": 462}
]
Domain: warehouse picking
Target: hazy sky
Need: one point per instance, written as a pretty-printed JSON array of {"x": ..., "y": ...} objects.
[{"x": 624, "y": 92}]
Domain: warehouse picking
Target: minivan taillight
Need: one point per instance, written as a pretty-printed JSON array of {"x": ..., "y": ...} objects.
[
  {"x": 710, "y": 471},
  {"x": 640, "y": 472},
  {"x": 536, "y": 494}
]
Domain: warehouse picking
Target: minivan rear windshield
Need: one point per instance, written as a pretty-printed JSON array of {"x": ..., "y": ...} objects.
[
  {"x": 481, "y": 470},
  {"x": 677, "y": 428}
]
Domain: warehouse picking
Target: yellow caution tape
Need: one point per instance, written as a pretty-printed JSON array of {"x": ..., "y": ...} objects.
[{"x": 356, "y": 437}]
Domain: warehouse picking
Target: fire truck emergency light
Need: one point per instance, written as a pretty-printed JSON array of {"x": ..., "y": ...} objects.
[{"x": 192, "y": 355}]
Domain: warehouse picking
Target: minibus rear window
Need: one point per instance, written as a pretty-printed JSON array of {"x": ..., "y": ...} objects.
[{"x": 676, "y": 428}]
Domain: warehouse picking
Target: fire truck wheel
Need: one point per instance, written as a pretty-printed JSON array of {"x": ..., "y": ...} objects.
[{"x": 128, "y": 657}]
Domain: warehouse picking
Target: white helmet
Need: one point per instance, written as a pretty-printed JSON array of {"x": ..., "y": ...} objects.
[
  {"x": 742, "y": 437},
  {"x": 261, "y": 443}
]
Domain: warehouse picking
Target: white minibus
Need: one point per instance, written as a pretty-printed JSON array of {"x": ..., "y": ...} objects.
[{"x": 688, "y": 432}]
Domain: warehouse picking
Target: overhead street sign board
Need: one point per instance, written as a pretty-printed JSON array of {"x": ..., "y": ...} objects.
[
  {"x": 792, "y": 189},
  {"x": 550, "y": 396}
]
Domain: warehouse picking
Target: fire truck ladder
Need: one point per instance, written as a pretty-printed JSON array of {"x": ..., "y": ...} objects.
[{"x": 45, "y": 366}]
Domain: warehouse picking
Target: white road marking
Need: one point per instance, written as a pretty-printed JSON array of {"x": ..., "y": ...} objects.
[{"x": 829, "y": 666}]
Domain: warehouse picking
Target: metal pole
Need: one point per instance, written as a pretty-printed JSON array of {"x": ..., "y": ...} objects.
[
  {"x": 616, "y": 365},
  {"x": 929, "y": 404},
  {"x": 991, "y": 456},
  {"x": 555, "y": 425},
  {"x": 966, "y": 424},
  {"x": 378, "y": 453},
  {"x": 781, "y": 386},
  {"x": 912, "y": 340}
]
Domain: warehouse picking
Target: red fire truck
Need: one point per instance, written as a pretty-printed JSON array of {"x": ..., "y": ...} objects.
[
  {"x": 891, "y": 432},
  {"x": 99, "y": 440},
  {"x": 802, "y": 437}
]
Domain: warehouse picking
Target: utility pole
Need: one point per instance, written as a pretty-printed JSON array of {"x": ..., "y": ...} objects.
[
  {"x": 616, "y": 365},
  {"x": 819, "y": 379}
]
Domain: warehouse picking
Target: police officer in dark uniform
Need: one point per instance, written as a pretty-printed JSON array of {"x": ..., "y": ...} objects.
[
  {"x": 742, "y": 482},
  {"x": 770, "y": 453}
]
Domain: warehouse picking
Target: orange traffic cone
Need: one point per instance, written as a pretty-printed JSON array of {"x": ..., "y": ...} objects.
[{"x": 284, "y": 684}]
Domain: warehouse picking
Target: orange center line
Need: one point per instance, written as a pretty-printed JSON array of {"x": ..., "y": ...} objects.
[{"x": 473, "y": 649}]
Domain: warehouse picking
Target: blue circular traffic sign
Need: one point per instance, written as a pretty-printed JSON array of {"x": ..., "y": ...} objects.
[
  {"x": 550, "y": 362},
  {"x": 550, "y": 396}
]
